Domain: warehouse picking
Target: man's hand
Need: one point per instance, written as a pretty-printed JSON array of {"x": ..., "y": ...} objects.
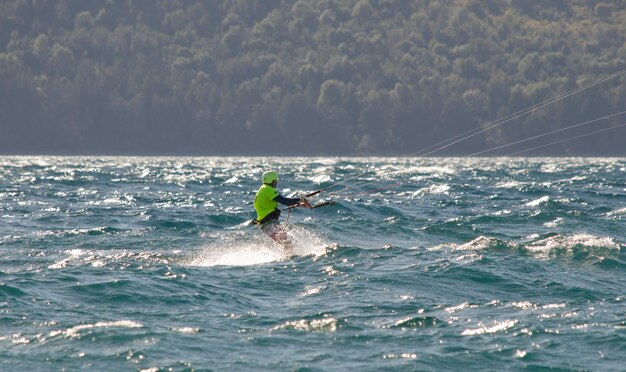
[{"x": 304, "y": 202}]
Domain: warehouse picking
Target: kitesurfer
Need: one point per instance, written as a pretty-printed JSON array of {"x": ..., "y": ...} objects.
[{"x": 266, "y": 206}]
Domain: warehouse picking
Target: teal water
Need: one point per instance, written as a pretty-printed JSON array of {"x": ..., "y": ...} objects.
[{"x": 422, "y": 264}]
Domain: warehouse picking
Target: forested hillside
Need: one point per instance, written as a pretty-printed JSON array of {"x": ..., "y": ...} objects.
[{"x": 304, "y": 77}]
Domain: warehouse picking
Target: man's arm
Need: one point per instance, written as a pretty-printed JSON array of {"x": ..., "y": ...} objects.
[{"x": 286, "y": 201}]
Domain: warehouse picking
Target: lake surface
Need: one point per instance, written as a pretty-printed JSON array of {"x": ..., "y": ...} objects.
[{"x": 422, "y": 264}]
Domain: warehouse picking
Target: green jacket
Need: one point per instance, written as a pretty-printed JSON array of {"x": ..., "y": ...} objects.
[{"x": 264, "y": 202}]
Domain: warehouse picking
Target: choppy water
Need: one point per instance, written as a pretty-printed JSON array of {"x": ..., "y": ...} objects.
[{"x": 146, "y": 263}]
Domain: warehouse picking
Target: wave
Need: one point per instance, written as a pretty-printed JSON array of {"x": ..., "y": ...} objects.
[
  {"x": 74, "y": 332},
  {"x": 511, "y": 184},
  {"x": 123, "y": 258},
  {"x": 617, "y": 213},
  {"x": 325, "y": 324},
  {"x": 432, "y": 190},
  {"x": 598, "y": 249},
  {"x": 494, "y": 328},
  {"x": 571, "y": 243},
  {"x": 8, "y": 291},
  {"x": 417, "y": 322},
  {"x": 478, "y": 244},
  {"x": 433, "y": 170},
  {"x": 77, "y": 331},
  {"x": 537, "y": 202}
]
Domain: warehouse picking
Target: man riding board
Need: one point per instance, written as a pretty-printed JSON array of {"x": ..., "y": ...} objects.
[{"x": 266, "y": 206}]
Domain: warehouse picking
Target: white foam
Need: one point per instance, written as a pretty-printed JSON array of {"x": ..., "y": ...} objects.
[
  {"x": 477, "y": 244},
  {"x": 432, "y": 189},
  {"x": 311, "y": 291},
  {"x": 315, "y": 325},
  {"x": 74, "y": 255},
  {"x": 428, "y": 170},
  {"x": 482, "y": 242},
  {"x": 95, "y": 258},
  {"x": 577, "y": 178},
  {"x": 232, "y": 180},
  {"x": 464, "y": 305},
  {"x": 243, "y": 255},
  {"x": 327, "y": 161},
  {"x": 185, "y": 329},
  {"x": 320, "y": 178},
  {"x": 617, "y": 212},
  {"x": 551, "y": 168},
  {"x": 558, "y": 221},
  {"x": 537, "y": 202},
  {"x": 255, "y": 248},
  {"x": 497, "y": 327},
  {"x": 525, "y": 305},
  {"x": 75, "y": 331},
  {"x": 568, "y": 242},
  {"x": 510, "y": 185},
  {"x": 502, "y": 212},
  {"x": 400, "y": 356}
]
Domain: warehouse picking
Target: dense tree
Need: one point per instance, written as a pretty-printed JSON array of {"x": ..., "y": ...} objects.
[{"x": 303, "y": 77}]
